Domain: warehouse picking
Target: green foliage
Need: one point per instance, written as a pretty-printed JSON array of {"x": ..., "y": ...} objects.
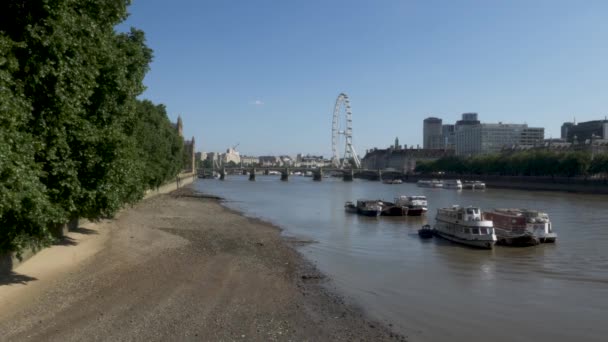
[
  {"x": 160, "y": 145},
  {"x": 74, "y": 140},
  {"x": 528, "y": 163}
]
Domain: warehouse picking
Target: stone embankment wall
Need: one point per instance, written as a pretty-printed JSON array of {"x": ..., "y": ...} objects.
[
  {"x": 568, "y": 184},
  {"x": 10, "y": 261}
]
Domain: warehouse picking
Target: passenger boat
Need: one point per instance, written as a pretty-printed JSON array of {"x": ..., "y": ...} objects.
[
  {"x": 417, "y": 205},
  {"x": 433, "y": 183},
  {"x": 510, "y": 227},
  {"x": 452, "y": 184},
  {"x": 426, "y": 232},
  {"x": 474, "y": 185},
  {"x": 465, "y": 226},
  {"x": 350, "y": 207},
  {"x": 369, "y": 207},
  {"x": 392, "y": 181}
]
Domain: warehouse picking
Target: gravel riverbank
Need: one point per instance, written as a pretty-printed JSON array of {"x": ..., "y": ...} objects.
[{"x": 180, "y": 267}]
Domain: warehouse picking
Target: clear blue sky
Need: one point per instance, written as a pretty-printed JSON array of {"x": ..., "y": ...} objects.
[{"x": 266, "y": 73}]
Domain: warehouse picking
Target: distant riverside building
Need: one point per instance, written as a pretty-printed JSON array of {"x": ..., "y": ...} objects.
[
  {"x": 491, "y": 138},
  {"x": 231, "y": 155},
  {"x": 270, "y": 161},
  {"x": 585, "y": 131},
  {"x": 565, "y": 129},
  {"x": 249, "y": 160},
  {"x": 200, "y": 156},
  {"x": 310, "y": 161},
  {"x": 447, "y": 135},
  {"x": 432, "y": 133},
  {"x": 401, "y": 159},
  {"x": 468, "y": 119}
]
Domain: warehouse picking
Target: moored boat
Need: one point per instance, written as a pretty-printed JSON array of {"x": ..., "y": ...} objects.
[
  {"x": 510, "y": 227},
  {"x": 392, "y": 181},
  {"x": 393, "y": 209},
  {"x": 430, "y": 183},
  {"x": 426, "y": 232},
  {"x": 474, "y": 185},
  {"x": 369, "y": 207},
  {"x": 417, "y": 205},
  {"x": 452, "y": 184},
  {"x": 539, "y": 225},
  {"x": 465, "y": 226},
  {"x": 350, "y": 207}
]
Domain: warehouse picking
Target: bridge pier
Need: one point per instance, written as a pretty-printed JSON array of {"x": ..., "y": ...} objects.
[
  {"x": 380, "y": 175},
  {"x": 285, "y": 175},
  {"x": 348, "y": 175},
  {"x": 252, "y": 174},
  {"x": 266, "y": 172},
  {"x": 244, "y": 172},
  {"x": 223, "y": 173},
  {"x": 317, "y": 175}
]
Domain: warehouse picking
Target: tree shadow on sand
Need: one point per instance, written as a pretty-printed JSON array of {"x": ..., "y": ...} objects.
[{"x": 7, "y": 276}]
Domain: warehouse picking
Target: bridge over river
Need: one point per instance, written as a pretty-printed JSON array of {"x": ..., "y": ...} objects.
[{"x": 346, "y": 174}]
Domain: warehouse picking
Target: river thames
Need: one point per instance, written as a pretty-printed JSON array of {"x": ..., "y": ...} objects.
[{"x": 433, "y": 290}]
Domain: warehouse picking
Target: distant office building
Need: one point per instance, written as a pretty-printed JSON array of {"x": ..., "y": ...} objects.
[
  {"x": 432, "y": 133},
  {"x": 584, "y": 131},
  {"x": 492, "y": 138},
  {"x": 565, "y": 129},
  {"x": 447, "y": 135},
  {"x": 532, "y": 136},
  {"x": 468, "y": 119}
]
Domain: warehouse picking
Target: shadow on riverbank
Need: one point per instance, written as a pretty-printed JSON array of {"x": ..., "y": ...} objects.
[{"x": 7, "y": 276}]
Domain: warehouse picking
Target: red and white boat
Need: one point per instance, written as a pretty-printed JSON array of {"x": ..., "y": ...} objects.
[{"x": 521, "y": 227}]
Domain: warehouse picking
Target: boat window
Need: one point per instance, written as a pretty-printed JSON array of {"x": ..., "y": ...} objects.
[
  {"x": 475, "y": 231},
  {"x": 470, "y": 211},
  {"x": 483, "y": 231},
  {"x": 467, "y": 230},
  {"x": 460, "y": 216}
]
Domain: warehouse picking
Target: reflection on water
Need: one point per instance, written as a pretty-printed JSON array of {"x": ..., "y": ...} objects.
[{"x": 435, "y": 290}]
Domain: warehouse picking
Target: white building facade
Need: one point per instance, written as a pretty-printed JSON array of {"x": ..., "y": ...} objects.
[{"x": 492, "y": 138}]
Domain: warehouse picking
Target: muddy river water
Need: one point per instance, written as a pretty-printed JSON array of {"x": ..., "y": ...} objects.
[{"x": 433, "y": 290}]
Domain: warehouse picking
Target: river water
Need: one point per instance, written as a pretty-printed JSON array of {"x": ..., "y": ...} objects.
[{"x": 433, "y": 290}]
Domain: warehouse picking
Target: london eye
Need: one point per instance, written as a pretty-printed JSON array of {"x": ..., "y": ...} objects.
[{"x": 342, "y": 135}]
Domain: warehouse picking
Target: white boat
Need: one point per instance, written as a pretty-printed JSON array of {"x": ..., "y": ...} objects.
[
  {"x": 538, "y": 223},
  {"x": 452, "y": 184},
  {"x": 413, "y": 202},
  {"x": 432, "y": 183},
  {"x": 465, "y": 226},
  {"x": 474, "y": 185}
]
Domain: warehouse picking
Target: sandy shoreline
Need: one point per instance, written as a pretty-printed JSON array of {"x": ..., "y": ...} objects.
[{"x": 177, "y": 267}]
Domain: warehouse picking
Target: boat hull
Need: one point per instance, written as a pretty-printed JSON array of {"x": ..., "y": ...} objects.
[
  {"x": 517, "y": 241},
  {"x": 350, "y": 209},
  {"x": 415, "y": 211},
  {"x": 394, "y": 210},
  {"x": 482, "y": 244},
  {"x": 369, "y": 212}
]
